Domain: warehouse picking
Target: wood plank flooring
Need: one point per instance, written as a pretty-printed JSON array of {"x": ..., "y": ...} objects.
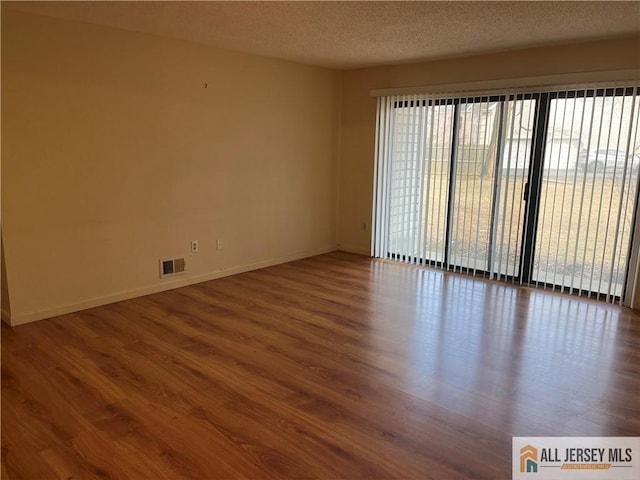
[{"x": 336, "y": 366}]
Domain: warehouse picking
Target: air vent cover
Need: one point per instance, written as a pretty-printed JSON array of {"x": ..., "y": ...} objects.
[{"x": 172, "y": 266}]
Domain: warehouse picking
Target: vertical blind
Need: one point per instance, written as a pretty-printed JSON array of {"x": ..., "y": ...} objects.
[{"x": 530, "y": 187}]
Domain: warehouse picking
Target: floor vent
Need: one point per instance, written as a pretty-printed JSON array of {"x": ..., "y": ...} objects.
[{"x": 172, "y": 267}]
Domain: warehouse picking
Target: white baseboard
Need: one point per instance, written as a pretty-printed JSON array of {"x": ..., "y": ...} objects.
[{"x": 35, "y": 315}]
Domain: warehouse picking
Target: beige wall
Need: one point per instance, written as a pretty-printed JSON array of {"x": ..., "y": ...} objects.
[
  {"x": 359, "y": 108},
  {"x": 114, "y": 155}
]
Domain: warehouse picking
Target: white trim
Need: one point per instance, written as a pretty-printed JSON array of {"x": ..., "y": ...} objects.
[
  {"x": 45, "y": 313},
  {"x": 531, "y": 84}
]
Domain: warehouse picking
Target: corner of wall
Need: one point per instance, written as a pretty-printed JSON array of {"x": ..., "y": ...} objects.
[
  {"x": 338, "y": 178},
  {"x": 5, "y": 308}
]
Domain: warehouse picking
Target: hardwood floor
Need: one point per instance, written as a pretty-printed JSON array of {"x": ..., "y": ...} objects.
[{"x": 337, "y": 366}]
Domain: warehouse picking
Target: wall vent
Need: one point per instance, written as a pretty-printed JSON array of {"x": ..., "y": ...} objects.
[{"x": 172, "y": 266}]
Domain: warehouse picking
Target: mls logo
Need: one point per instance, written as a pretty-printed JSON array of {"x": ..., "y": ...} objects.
[
  {"x": 528, "y": 459},
  {"x": 575, "y": 458}
]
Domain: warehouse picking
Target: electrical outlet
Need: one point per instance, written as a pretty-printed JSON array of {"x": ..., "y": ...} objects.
[
  {"x": 219, "y": 244},
  {"x": 194, "y": 246}
]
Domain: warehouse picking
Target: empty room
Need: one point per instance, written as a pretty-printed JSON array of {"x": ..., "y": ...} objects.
[{"x": 329, "y": 240}]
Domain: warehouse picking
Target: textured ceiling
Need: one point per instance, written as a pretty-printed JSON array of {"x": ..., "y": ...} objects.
[{"x": 358, "y": 34}]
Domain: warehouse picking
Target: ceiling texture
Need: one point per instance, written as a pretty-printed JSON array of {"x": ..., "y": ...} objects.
[{"x": 351, "y": 34}]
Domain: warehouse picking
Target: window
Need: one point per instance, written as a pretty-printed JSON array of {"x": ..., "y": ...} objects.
[{"x": 535, "y": 188}]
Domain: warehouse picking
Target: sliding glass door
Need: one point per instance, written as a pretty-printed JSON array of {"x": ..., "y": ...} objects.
[
  {"x": 490, "y": 171},
  {"x": 473, "y": 185},
  {"x": 535, "y": 188},
  {"x": 456, "y": 173},
  {"x": 587, "y": 191}
]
